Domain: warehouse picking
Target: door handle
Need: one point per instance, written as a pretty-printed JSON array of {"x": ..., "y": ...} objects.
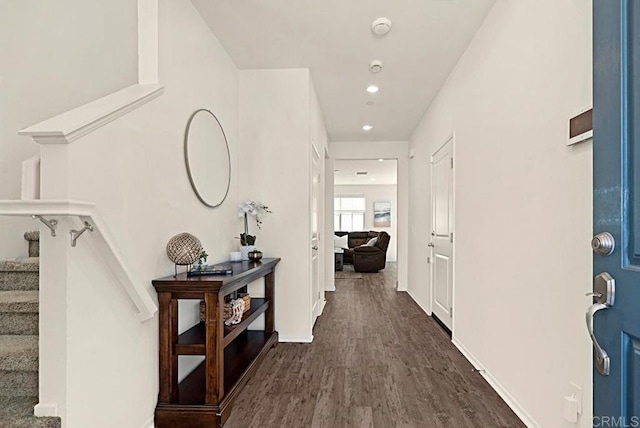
[
  {"x": 431, "y": 244},
  {"x": 603, "y": 363},
  {"x": 314, "y": 248}
]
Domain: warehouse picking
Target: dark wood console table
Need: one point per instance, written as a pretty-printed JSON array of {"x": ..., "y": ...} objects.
[{"x": 232, "y": 354}]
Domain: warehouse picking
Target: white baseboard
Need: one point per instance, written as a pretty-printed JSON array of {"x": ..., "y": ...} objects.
[
  {"x": 322, "y": 305},
  {"x": 419, "y": 303},
  {"x": 148, "y": 424},
  {"x": 45, "y": 409},
  {"x": 497, "y": 386},
  {"x": 294, "y": 339}
]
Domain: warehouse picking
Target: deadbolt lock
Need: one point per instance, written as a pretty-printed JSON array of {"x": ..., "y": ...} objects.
[
  {"x": 603, "y": 244},
  {"x": 604, "y": 289}
]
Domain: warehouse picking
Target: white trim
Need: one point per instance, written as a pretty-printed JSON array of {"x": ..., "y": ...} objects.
[
  {"x": 294, "y": 339},
  {"x": 73, "y": 124},
  {"x": 322, "y": 305},
  {"x": 105, "y": 244},
  {"x": 418, "y": 302},
  {"x": 454, "y": 244},
  {"x": 526, "y": 418},
  {"x": 30, "y": 185},
  {"x": 45, "y": 207},
  {"x": 148, "y": 41},
  {"x": 42, "y": 410},
  {"x": 149, "y": 423},
  {"x": 332, "y": 288}
]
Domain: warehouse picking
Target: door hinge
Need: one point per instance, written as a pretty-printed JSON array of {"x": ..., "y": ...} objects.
[
  {"x": 428, "y": 260},
  {"x": 451, "y": 312},
  {"x": 451, "y": 237},
  {"x": 451, "y": 162}
]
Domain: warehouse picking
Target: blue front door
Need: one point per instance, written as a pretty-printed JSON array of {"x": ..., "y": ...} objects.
[{"x": 616, "y": 204}]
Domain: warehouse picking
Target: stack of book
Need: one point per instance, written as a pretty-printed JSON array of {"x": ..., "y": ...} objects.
[{"x": 211, "y": 270}]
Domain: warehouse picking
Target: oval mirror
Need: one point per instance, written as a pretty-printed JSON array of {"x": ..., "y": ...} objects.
[{"x": 207, "y": 157}]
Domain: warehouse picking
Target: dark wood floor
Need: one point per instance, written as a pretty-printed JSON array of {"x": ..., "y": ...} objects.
[{"x": 377, "y": 360}]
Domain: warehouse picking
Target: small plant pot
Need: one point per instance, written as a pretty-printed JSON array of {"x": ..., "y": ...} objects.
[
  {"x": 245, "y": 250},
  {"x": 255, "y": 255}
]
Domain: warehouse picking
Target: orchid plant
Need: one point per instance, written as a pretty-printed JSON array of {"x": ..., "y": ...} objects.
[{"x": 256, "y": 209}]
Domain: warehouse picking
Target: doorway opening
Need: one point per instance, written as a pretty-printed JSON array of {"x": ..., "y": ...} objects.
[{"x": 365, "y": 219}]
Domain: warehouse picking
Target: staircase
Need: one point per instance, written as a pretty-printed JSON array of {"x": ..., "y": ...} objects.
[{"x": 19, "y": 341}]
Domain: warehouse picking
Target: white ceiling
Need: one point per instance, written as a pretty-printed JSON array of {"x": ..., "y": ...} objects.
[
  {"x": 333, "y": 39},
  {"x": 384, "y": 172}
]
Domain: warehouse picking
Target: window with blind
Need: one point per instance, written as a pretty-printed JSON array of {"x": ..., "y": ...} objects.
[{"x": 349, "y": 213}]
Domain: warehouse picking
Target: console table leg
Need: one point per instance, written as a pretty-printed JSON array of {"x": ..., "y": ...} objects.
[
  {"x": 168, "y": 337},
  {"x": 269, "y": 294},
  {"x": 214, "y": 360}
]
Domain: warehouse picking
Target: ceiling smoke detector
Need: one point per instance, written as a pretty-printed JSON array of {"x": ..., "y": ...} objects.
[
  {"x": 375, "y": 66},
  {"x": 381, "y": 26}
]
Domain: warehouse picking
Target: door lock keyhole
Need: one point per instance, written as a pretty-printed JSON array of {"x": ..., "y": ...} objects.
[{"x": 603, "y": 244}]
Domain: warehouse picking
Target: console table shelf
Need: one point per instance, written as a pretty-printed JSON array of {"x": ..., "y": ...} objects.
[
  {"x": 238, "y": 359},
  {"x": 232, "y": 353},
  {"x": 192, "y": 341}
]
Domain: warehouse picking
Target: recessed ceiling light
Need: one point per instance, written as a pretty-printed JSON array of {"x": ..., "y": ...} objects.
[
  {"x": 373, "y": 179},
  {"x": 367, "y": 127},
  {"x": 372, "y": 89},
  {"x": 380, "y": 160}
]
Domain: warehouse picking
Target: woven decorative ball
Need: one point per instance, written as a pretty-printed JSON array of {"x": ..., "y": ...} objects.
[{"x": 184, "y": 249}]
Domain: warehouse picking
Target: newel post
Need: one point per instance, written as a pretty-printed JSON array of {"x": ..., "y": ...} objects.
[{"x": 54, "y": 184}]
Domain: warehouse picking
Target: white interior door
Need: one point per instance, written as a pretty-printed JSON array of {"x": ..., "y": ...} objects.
[
  {"x": 442, "y": 233},
  {"x": 315, "y": 233}
]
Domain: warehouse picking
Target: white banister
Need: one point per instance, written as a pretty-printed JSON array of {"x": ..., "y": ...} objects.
[
  {"x": 73, "y": 124},
  {"x": 104, "y": 242}
]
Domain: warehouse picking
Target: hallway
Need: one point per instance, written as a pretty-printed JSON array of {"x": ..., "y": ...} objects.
[{"x": 377, "y": 360}]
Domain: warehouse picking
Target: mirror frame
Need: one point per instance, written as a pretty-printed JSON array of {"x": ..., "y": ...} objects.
[{"x": 186, "y": 159}]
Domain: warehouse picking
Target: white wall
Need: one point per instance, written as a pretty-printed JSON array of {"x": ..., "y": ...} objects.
[
  {"x": 54, "y": 58},
  {"x": 133, "y": 169},
  {"x": 374, "y": 193},
  {"x": 387, "y": 150},
  {"x": 276, "y": 130},
  {"x": 523, "y": 203}
]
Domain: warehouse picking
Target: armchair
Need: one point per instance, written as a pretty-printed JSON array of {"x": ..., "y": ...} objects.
[{"x": 372, "y": 259}]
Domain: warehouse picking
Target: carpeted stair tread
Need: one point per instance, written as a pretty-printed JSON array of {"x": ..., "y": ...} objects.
[
  {"x": 29, "y": 264},
  {"x": 19, "y": 301},
  {"x": 19, "y": 353},
  {"x": 17, "y": 412},
  {"x": 18, "y": 384},
  {"x": 20, "y": 274}
]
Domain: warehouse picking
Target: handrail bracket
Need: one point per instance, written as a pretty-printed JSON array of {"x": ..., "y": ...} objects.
[
  {"x": 75, "y": 234},
  {"x": 52, "y": 224}
]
